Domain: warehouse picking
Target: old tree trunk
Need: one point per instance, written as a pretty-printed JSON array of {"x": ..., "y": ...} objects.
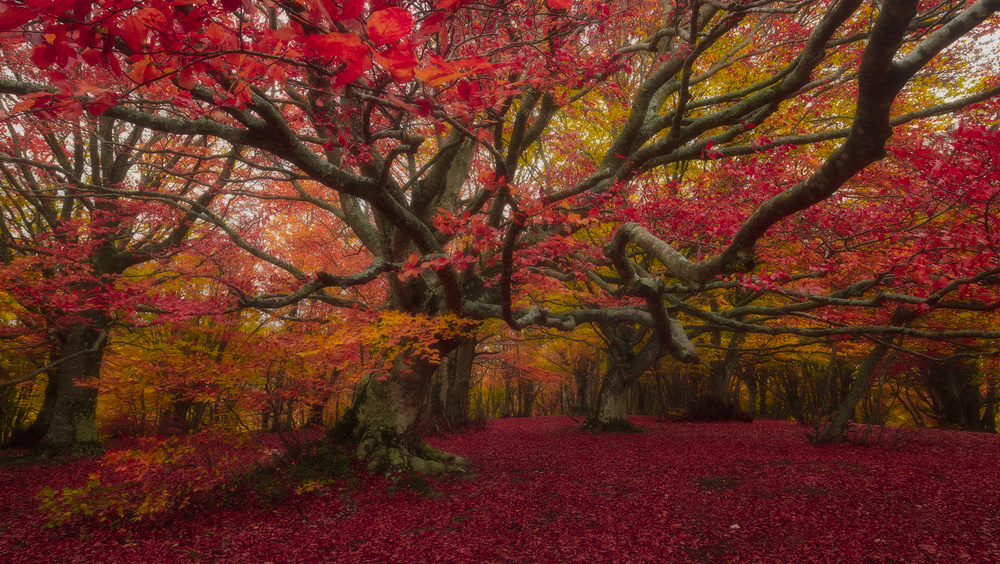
[
  {"x": 384, "y": 418},
  {"x": 624, "y": 367},
  {"x": 610, "y": 413},
  {"x": 67, "y": 421}
]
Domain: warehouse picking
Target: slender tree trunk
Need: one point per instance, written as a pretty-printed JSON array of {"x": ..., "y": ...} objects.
[
  {"x": 460, "y": 385},
  {"x": 752, "y": 390},
  {"x": 834, "y": 433},
  {"x": 989, "y": 419},
  {"x": 861, "y": 382},
  {"x": 384, "y": 417},
  {"x": 32, "y": 435},
  {"x": 955, "y": 384},
  {"x": 450, "y": 400},
  {"x": 176, "y": 417},
  {"x": 315, "y": 418},
  {"x": 67, "y": 423},
  {"x": 15, "y": 408},
  {"x": 587, "y": 386}
]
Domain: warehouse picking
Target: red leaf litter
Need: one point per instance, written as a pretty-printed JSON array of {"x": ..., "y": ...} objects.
[{"x": 542, "y": 491}]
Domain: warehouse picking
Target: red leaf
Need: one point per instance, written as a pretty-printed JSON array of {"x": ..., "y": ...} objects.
[
  {"x": 333, "y": 44},
  {"x": 12, "y": 16},
  {"x": 348, "y": 47},
  {"x": 437, "y": 263},
  {"x": 443, "y": 71},
  {"x": 398, "y": 60},
  {"x": 43, "y": 55},
  {"x": 389, "y": 25},
  {"x": 286, "y": 33},
  {"x": 134, "y": 32},
  {"x": 356, "y": 66},
  {"x": 216, "y": 34},
  {"x": 340, "y": 10},
  {"x": 92, "y": 57},
  {"x": 560, "y": 4},
  {"x": 450, "y": 4},
  {"x": 81, "y": 9},
  {"x": 186, "y": 79}
]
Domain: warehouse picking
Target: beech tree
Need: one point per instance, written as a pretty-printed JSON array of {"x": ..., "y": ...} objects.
[
  {"x": 630, "y": 354},
  {"x": 430, "y": 131},
  {"x": 64, "y": 253},
  {"x": 891, "y": 263}
]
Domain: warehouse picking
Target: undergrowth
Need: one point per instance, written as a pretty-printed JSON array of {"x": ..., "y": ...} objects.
[
  {"x": 168, "y": 477},
  {"x": 315, "y": 469}
]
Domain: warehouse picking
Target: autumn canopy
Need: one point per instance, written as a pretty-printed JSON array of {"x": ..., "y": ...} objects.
[{"x": 391, "y": 214}]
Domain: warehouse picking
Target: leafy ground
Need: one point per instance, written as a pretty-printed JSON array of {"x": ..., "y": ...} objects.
[{"x": 543, "y": 492}]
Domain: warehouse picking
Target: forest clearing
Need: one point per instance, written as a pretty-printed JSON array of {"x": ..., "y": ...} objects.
[{"x": 541, "y": 490}]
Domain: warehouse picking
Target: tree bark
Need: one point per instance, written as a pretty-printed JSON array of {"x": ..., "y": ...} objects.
[
  {"x": 457, "y": 407},
  {"x": 383, "y": 420},
  {"x": 723, "y": 369},
  {"x": 67, "y": 424},
  {"x": 989, "y": 419},
  {"x": 750, "y": 379},
  {"x": 834, "y": 433},
  {"x": 453, "y": 381},
  {"x": 587, "y": 386},
  {"x": 610, "y": 414},
  {"x": 624, "y": 368}
]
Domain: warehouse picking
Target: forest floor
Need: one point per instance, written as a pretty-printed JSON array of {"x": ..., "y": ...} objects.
[{"x": 541, "y": 491}]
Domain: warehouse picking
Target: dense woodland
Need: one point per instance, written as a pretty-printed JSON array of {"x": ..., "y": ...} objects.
[{"x": 390, "y": 217}]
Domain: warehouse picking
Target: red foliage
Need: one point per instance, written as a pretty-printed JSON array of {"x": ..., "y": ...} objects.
[{"x": 726, "y": 492}]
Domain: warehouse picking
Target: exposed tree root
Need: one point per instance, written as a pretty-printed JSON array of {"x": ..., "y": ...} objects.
[{"x": 385, "y": 452}]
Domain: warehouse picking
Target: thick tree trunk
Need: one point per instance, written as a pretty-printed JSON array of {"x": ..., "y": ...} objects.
[
  {"x": 67, "y": 423},
  {"x": 610, "y": 413},
  {"x": 723, "y": 370},
  {"x": 383, "y": 420}
]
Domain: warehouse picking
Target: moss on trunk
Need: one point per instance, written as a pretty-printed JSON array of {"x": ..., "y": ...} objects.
[{"x": 383, "y": 419}]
